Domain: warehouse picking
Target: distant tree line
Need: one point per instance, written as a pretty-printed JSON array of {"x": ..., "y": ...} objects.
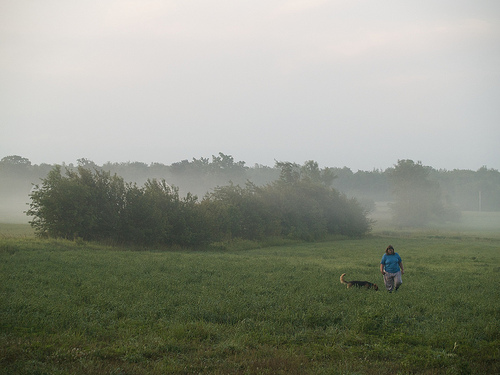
[
  {"x": 465, "y": 190},
  {"x": 418, "y": 199},
  {"x": 95, "y": 205}
]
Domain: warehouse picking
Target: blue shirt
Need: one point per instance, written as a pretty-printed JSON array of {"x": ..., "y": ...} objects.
[{"x": 391, "y": 262}]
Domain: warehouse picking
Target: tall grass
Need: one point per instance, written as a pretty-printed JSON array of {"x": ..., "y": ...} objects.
[{"x": 79, "y": 308}]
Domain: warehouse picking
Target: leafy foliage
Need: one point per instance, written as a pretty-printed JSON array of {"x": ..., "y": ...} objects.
[
  {"x": 82, "y": 204},
  {"x": 99, "y": 206},
  {"x": 418, "y": 199},
  {"x": 459, "y": 190}
]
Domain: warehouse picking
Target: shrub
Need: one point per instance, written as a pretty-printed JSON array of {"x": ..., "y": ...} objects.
[{"x": 95, "y": 206}]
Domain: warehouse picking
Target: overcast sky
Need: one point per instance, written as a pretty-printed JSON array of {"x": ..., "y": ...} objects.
[{"x": 343, "y": 82}]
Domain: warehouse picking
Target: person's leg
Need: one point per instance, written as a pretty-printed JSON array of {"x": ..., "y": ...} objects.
[
  {"x": 398, "y": 280},
  {"x": 389, "y": 281}
]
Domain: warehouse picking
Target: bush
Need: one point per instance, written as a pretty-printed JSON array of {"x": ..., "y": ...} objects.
[{"x": 95, "y": 206}]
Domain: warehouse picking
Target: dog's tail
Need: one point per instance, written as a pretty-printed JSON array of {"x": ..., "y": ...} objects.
[{"x": 342, "y": 280}]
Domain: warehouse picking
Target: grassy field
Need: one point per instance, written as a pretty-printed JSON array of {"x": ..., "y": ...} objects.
[
  {"x": 9, "y": 230},
  {"x": 79, "y": 308}
]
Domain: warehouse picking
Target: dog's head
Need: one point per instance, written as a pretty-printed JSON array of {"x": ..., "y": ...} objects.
[{"x": 375, "y": 286}]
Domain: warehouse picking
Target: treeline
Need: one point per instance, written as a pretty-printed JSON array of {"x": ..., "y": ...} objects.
[
  {"x": 466, "y": 189},
  {"x": 96, "y": 205}
]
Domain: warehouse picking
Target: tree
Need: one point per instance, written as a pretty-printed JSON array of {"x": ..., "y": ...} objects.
[
  {"x": 81, "y": 204},
  {"x": 417, "y": 199},
  {"x": 289, "y": 172},
  {"x": 309, "y": 208},
  {"x": 310, "y": 171},
  {"x": 93, "y": 205},
  {"x": 16, "y": 160}
]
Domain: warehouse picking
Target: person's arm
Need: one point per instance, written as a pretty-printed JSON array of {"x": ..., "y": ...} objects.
[
  {"x": 401, "y": 266},
  {"x": 382, "y": 269}
]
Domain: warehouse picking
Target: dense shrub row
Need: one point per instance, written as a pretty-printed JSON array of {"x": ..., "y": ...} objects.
[{"x": 95, "y": 205}]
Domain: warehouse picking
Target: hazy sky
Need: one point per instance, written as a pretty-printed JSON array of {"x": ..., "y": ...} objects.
[{"x": 343, "y": 82}]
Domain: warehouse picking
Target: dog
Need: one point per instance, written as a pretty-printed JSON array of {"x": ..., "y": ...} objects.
[{"x": 358, "y": 284}]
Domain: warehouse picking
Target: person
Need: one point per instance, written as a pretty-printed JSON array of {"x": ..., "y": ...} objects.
[{"x": 391, "y": 267}]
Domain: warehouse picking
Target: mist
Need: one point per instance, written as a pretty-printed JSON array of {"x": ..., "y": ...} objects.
[
  {"x": 458, "y": 190},
  {"x": 346, "y": 83}
]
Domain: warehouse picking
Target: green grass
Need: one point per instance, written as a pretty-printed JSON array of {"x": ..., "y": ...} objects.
[
  {"x": 472, "y": 224},
  {"x": 69, "y": 308},
  {"x": 8, "y": 230}
]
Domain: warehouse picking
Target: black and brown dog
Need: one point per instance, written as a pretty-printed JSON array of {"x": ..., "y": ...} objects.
[{"x": 358, "y": 284}]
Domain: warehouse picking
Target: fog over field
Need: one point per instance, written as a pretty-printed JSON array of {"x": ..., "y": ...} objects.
[
  {"x": 346, "y": 83},
  {"x": 448, "y": 192}
]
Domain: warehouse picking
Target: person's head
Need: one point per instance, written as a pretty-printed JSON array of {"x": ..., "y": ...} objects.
[{"x": 389, "y": 250}]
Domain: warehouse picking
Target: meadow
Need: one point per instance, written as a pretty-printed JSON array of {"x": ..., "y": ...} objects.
[{"x": 243, "y": 308}]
